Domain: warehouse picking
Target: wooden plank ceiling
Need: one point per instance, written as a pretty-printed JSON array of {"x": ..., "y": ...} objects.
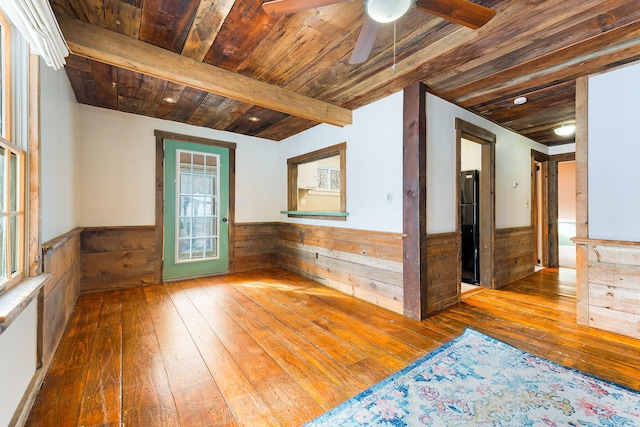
[{"x": 533, "y": 48}]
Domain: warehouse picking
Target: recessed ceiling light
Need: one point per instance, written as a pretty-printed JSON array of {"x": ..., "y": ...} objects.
[
  {"x": 565, "y": 130},
  {"x": 254, "y": 119},
  {"x": 170, "y": 100},
  {"x": 520, "y": 100}
]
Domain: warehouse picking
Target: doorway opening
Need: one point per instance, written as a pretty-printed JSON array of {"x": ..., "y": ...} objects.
[
  {"x": 200, "y": 227},
  {"x": 566, "y": 214},
  {"x": 196, "y": 206},
  {"x": 475, "y": 152},
  {"x": 469, "y": 184},
  {"x": 560, "y": 219},
  {"x": 540, "y": 212}
]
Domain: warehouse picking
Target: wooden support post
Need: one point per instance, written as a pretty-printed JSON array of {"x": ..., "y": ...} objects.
[
  {"x": 582, "y": 202},
  {"x": 414, "y": 141}
]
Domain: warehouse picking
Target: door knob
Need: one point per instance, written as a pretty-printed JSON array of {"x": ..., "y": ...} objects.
[{"x": 224, "y": 220}]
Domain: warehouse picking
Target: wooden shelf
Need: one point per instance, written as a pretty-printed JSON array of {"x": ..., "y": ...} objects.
[
  {"x": 315, "y": 213},
  {"x": 332, "y": 215}
]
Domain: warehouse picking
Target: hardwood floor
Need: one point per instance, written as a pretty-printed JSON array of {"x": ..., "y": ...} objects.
[{"x": 272, "y": 348}]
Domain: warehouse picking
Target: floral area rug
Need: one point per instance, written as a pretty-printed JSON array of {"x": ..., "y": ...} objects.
[{"x": 476, "y": 380}]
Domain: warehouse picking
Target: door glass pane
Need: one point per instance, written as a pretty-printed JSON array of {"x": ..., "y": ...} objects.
[
  {"x": 212, "y": 244},
  {"x": 184, "y": 249},
  {"x": 185, "y": 227},
  {"x": 197, "y": 217}
]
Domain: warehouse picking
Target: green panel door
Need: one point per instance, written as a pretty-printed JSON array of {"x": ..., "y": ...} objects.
[{"x": 196, "y": 203}]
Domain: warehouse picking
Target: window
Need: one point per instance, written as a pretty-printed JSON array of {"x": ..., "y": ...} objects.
[
  {"x": 11, "y": 212},
  {"x": 4, "y": 77},
  {"x": 317, "y": 184},
  {"x": 12, "y": 178},
  {"x": 329, "y": 177}
]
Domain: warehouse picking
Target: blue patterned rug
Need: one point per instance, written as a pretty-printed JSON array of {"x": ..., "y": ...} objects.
[{"x": 476, "y": 380}]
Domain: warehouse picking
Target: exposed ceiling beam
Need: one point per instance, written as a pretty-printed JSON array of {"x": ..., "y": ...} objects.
[{"x": 112, "y": 48}]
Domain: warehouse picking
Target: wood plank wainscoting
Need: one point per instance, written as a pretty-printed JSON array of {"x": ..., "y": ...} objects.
[
  {"x": 61, "y": 258},
  {"x": 513, "y": 255},
  {"x": 117, "y": 257},
  {"x": 366, "y": 264},
  {"x": 443, "y": 271},
  {"x": 256, "y": 246},
  {"x": 609, "y": 292}
]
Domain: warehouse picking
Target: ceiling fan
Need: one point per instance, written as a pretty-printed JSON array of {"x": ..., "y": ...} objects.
[{"x": 380, "y": 12}]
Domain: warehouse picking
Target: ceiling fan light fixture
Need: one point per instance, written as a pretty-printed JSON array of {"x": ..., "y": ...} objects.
[
  {"x": 385, "y": 11},
  {"x": 565, "y": 130}
]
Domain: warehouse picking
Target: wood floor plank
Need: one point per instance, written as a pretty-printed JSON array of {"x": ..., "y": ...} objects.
[
  {"x": 340, "y": 345},
  {"x": 183, "y": 363},
  {"x": 203, "y": 406},
  {"x": 147, "y": 400},
  {"x": 330, "y": 299},
  {"x": 101, "y": 396},
  {"x": 289, "y": 313},
  {"x": 327, "y": 381},
  {"x": 244, "y": 404},
  {"x": 288, "y": 401},
  {"x": 350, "y": 335},
  {"x": 270, "y": 348},
  {"x": 111, "y": 309},
  {"x": 370, "y": 371},
  {"x": 582, "y": 337},
  {"x": 63, "y": 385},
  {"x": 368, "y": 313}
]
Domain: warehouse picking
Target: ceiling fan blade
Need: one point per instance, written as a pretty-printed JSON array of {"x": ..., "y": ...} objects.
[
  {"x": 461, "y": 12},
  {"x": 365, "y": 42},
  {"x": 285, "y": 7}
]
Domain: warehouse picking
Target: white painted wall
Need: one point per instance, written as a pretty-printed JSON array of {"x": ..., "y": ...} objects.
[
  {"x": 17, "y": 361},
  {"x": 614, "y": 150},
  {"x": 374, "y": 165},
  {"x": 470, "y": 155},
  {"x": 59, "y": 150},
  {"x": 513, "y": 165},
  {"x": 117, "y": 169},
  {"x": 562, "y": 149}
]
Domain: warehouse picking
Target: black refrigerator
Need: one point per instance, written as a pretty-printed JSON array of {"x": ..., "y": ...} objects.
[{"x": 470, "y": 224}]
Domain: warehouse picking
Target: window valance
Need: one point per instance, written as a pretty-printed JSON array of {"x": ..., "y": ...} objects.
[{"x": 37, "y": 24}]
